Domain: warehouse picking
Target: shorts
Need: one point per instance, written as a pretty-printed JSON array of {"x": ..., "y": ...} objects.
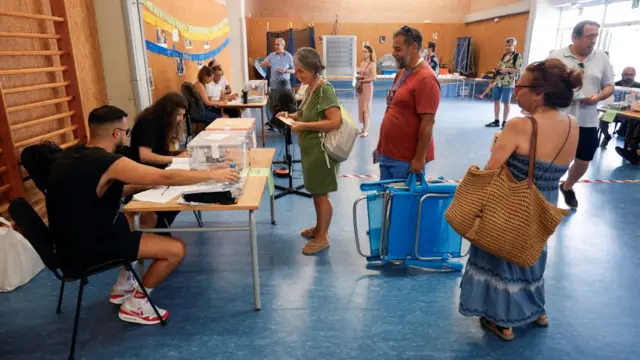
[
  {"x": 119, "y": 245},
  {"x": 502, "y": 94},
  {"x": 392, "y": 169},
  {"x": 587, "y": 143}
]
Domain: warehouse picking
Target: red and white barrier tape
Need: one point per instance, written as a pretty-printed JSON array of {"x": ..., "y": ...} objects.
[{"x": 584, "y": 181}]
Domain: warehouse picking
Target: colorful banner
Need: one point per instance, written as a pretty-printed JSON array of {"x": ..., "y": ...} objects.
[
  {"x": 158, "y": 18},
  {"x": 157, "y": 49}
]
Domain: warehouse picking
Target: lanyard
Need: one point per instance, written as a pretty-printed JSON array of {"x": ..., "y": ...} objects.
[{"x": 397, "y": 85}]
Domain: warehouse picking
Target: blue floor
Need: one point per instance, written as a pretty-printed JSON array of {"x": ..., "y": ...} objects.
[{"x": 333, "y": 307}]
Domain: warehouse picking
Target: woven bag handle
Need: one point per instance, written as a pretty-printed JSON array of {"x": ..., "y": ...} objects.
[{"x": 532, "y": 150}]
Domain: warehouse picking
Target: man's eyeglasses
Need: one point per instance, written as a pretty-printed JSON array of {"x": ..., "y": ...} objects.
[
  {"x": 629, "y": 74},
  {"x": 410, "y": 35},
  {"x": 127, "y": 132},
  {"x": 581, "y": 65}
]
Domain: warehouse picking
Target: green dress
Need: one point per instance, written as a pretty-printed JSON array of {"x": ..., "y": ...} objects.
[{"x": 320, "y": 172}]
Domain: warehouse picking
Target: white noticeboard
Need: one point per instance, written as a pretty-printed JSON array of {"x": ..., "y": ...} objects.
[{"x": 340, "y": 55}]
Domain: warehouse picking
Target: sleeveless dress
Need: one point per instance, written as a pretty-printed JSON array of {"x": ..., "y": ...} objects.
[
  {"x": 503, "y": 293},
  {"x": 366, "y": 96}
]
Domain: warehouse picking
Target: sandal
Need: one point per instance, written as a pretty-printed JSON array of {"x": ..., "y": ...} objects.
[
  {"x": 313, "y": 247},
  {"x": 500, "y": 331},
  {"x": 364, "y": 134},
  {"x": 542, "y": 321},
  {"x": 309, "y": 233}
]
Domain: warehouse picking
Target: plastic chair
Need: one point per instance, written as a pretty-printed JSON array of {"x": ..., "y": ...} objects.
[{"x": 38, "y": 235}]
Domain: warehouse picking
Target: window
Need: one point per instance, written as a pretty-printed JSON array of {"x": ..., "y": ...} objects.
[{"x": 618, "y": 12}]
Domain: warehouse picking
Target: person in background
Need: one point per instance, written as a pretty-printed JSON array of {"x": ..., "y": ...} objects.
[
  {"x": 628, "y": 80},
  {"x": 280, "y": 64},
  {"x": 223, "y": 81},
  {"x": 597, "y": 86},
  {"x": 86, "y": 185},
  {"x": 216, "y": 91},
  {"x": 431, "y": 57},
  {"x": 211, "y": 110},
  {"x": 320, "y": 113},
  {"x": 366, "y": 76},
  {"x": 504, "y": 295},
  {"x": 507, "y": 72},
  {"x": 406, "y": 135}
]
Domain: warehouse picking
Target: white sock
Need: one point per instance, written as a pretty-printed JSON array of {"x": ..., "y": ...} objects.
[{"x": 125, "y": 280}]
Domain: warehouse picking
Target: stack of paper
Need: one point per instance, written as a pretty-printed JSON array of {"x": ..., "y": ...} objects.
[{"x": 159, "y": 195}]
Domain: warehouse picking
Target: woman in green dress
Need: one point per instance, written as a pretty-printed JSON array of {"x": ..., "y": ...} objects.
[{"x": 318, "y": 114}]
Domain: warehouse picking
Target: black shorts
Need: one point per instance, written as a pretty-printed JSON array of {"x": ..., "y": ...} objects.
[
  {"x": 120, "y": 244},
  {"x": 587, "y": 143}
]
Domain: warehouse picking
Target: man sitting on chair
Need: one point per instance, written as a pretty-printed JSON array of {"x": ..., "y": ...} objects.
[{"x": 86, "y": 186}]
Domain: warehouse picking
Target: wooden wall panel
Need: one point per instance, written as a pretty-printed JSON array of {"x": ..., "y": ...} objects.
[
  {"x": 193, "y": 12},
  {"x": 488, "y": 38},
  {"x": 89, "y": 66},
  {"x": 370, "y": 11}
]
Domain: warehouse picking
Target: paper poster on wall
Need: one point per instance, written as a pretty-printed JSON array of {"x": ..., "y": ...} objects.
[
  {"x": 382, "y": 39},
  {"x": 206, "y": 45},
  {"x": 161, "y": 38},
  {"x": 175, "y": 35},
  {"x": 188, "y": 44},
  {"x": 200, "y": 64},
  {"x": 151, "y": 84},
  {"x": 180, "y": 67}
]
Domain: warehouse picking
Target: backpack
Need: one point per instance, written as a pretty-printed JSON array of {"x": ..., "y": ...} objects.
[
  {"x": 337, "y": 144},
  {"x": 37, "y": 160}
]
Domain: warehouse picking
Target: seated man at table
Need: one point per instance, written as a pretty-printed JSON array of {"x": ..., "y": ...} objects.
[
  {"x": 87, "y": 183},
  {"x": 223, "y": 81},
  {"x": 628, "y": 80},
  {"x": 632, "y": 153},
  {"x": 216, "y": 91}
]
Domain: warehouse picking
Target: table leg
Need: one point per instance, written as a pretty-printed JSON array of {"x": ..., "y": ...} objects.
[
  {"x": 262, "y": 119},
  {"x": 272, "y": 202},
  {"x": 473, "y": 90},
  {"x": 254, "y": 260}
]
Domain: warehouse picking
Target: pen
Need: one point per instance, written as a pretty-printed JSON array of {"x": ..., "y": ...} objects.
[{"x": 165, "y": 190}]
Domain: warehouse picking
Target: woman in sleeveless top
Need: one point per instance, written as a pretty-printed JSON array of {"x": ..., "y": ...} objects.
[
  {"x": 366, "y": 76},
  {"x": 319, "y": 113},
  {"x": 504, "y": 295}
]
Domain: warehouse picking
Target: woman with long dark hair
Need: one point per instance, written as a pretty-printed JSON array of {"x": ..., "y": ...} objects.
[{"x": 156, "y": 129}]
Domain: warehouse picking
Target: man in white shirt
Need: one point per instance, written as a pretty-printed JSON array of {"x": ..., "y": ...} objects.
[
  {"x": 216, "y": 91},
  {"x": 223, "y": 81},
  {"x": 597, "y": 86}
]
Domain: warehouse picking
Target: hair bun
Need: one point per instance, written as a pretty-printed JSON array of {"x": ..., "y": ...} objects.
[{"x": 573, "y": 78}]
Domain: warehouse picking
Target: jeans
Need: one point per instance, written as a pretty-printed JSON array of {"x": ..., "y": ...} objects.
[{"x": 393, "y": 169}]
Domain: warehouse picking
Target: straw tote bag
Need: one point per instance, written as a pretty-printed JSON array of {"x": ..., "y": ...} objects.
[{"x": 507, "y": 218}]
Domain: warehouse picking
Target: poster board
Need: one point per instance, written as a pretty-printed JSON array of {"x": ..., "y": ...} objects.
[{"x": 340, "y": 56}]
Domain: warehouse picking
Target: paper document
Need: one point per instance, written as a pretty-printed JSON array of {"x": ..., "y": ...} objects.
[
  {"x": 159, "y": 195},
  {"x": 235, "y": 102},
  {"x": 285, "y": 120}
]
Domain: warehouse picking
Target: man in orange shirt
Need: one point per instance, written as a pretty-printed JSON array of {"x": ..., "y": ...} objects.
[{"x": 406, "y": 136}]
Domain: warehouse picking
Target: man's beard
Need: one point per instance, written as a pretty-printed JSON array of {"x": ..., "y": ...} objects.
[
  {"x": 402, "y": 62},
  {"x": 627, "y": 81}
]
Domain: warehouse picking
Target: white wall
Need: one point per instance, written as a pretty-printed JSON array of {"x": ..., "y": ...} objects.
[
  {"x": 123, "y": 55},
  {"x": 542, "y": 31},
  {"x": 238, "y": 44}
]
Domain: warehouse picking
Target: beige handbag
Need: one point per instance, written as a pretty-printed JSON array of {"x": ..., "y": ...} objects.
[{"x": 509, "y": 219}]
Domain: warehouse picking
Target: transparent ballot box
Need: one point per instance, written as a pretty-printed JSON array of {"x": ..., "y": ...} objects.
[
  {"x": 257, "y": 90},
  {"x": 211, "y": 148}
]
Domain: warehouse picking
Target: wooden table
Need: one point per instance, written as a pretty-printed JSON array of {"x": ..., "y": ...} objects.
[
  {"x": 632, "y": 117},
  {"x": 260, "y": 105},
  {"x": 248, "y": 201}
]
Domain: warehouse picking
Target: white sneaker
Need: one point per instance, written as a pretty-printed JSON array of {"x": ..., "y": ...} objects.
[
  {"x": 137, "y": 309},
  {"x": 118, "y": 296}
]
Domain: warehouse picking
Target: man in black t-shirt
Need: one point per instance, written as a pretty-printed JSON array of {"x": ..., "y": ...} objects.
[{"x": 86, "y": 186}]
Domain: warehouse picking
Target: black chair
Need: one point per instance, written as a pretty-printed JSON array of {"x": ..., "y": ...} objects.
[
  {"x": 38, "y": 235},
  {"x": 195, "y": 113}
]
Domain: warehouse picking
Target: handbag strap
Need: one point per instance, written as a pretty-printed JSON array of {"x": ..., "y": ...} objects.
[{"x": 532, "y": 150}]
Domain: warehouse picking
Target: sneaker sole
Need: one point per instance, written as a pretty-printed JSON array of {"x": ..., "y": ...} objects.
[{"x": 137, "y": 320}]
